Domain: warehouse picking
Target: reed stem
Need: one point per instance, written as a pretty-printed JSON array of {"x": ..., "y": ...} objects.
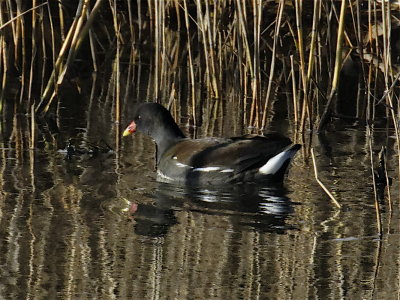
[{"x": 320, "y": 182}]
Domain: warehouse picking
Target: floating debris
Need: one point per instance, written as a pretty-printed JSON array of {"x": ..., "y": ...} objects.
[{"x": 93, "y": 149}]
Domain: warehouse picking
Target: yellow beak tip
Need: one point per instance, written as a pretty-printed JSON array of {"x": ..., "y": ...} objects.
[{"x": 126, "y": 133}]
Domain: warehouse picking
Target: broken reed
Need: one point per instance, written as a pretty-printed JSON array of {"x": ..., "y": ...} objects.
[{"x": 210, "y": 49}]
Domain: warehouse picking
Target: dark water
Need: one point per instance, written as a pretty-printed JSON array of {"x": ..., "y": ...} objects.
[{"x": 102, "y": 228}]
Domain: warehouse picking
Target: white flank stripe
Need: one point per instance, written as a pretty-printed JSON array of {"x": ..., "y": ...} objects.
[
  {"x": 207, "y": 169},
  {"x": 181, "y": 165},
  {"x": 227, "y": 170}
]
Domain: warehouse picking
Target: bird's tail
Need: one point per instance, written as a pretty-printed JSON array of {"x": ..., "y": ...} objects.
[{"x": 277, "y": 165}]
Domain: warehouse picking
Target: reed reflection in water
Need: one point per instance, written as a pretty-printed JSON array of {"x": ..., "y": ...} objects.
[{"x": 64, "y": 233}]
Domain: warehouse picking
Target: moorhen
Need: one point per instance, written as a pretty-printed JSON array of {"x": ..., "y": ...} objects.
[{"x": 215, "y": 161}]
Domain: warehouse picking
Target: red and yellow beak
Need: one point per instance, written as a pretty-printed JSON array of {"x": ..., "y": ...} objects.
[{"x": 130, "y": 129}]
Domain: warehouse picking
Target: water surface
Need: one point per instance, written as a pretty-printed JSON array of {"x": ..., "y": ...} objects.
[{"x": 102, "y": 227}]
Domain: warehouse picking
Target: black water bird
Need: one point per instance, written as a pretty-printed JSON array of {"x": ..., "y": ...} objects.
[{"x": 215, "y": 161}]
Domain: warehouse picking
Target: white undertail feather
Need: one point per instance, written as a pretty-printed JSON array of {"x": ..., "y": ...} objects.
[{"x": 275, "y": 163}]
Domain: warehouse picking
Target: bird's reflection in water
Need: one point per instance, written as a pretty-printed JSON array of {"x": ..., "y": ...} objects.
[{"x": 247, "y": 206}]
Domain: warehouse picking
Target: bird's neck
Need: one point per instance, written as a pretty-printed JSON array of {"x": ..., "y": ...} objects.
[{"x": 167, "y": 138}]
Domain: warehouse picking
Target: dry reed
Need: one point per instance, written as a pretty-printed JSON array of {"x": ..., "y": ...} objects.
[{"x": 320, "y": 182}]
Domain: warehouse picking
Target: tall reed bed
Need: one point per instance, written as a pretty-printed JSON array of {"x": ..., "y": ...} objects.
[{"x": 258, "y": 48}]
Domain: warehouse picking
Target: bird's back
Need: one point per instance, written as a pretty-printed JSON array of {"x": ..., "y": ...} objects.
[{"x": 218, "y": 161}]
